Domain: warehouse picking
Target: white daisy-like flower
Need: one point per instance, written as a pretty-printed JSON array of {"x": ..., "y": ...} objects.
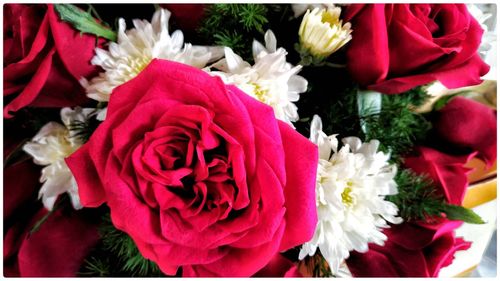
[
  {"x": 271, "y": 80},
  {"x": 134, "y": 50},
  {"x": 48, "y": 148},
  {"x": 322, "y": 33},
  {"x": 350, "y": 196}
]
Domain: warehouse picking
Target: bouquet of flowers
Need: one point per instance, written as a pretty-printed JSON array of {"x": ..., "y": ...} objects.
[{"x": 241, "y": 139}]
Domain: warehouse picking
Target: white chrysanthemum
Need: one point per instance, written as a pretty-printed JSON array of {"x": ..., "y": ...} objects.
[
  {"x": 488, "y": 48},
  {"x": 321, "y": 32},
  {"x": 48, "y": 148},
  {"x": 135, "y": 49},
  {"x": 271, "y": 80},
  {"x": 351, "y": 186}
]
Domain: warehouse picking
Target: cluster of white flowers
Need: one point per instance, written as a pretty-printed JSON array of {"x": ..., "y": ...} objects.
[
  {"x": 271, "y": 80},
  {"x": 351, "y": 187},
  {"x": 49, "y": 147}
]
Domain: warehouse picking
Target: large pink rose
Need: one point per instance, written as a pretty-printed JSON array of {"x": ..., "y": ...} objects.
[
  {"x": 199, "y": 174},
  {"x": 396, "y": 47},
  {"x": 44, "y": 58}
]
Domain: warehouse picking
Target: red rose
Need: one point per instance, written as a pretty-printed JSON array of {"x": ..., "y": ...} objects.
[
  {"x": 411, "y": 250},
  {"x": 420, "y": 249},
  {"x": 43, "y": 59},
  {"x": 199, "y": 174},
  {"x": 57, "y": 249},
  {"x": 446, "y": 171},
  {"x": 470, "y": 125},
  {"x": 396, "y": 47},
  {"x": 187, "y": 16},
  {"x": 62, "y": 242}
]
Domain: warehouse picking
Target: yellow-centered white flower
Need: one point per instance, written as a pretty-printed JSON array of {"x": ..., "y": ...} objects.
[
  {"x": 134, "y": 50},
  {"x": 271, "y": 80},
  {"x": 321, "y": 32},
  {"x": 351, "y": 187},
  {"x": 48, "y": 148}
]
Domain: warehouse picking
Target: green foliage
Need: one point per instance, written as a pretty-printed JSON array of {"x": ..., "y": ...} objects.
[
  {"x": 417, "y": 200},
  {"x": 416, "y": 197},
  {"x": 117, "y": 255},
  {"x": 230, "y": 39},
  {"x": 443, "y": 101},
  {"x": 397, "y": 126},
  {"x": 83, "y": 21},
  {"x": 454, "y": 212},
  {"x": 96, "y": 267},
  {"x": 252, "y": 16},
  {"x": 235, "y": 26},
  {"x": 120, "y": 245},
  {"x": 83, "y": 130},
  {"x": 414, "y": 97}
]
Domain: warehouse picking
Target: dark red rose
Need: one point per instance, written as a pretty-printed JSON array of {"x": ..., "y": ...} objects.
[
  {"x": 411, "y": 250},
  {"x": 60, "y": 245},
  {"x": 446, "y": 171},
  {"x": 43, "y": 59},
  {"x": 396, "y": 47},
  {"x": 419, "y": 249},
  {"x": 57, "y": 249},
  {"x": 199, "y": 174},
  {"x": 464, "y": 124},
  {"x": 187, "y": 16}
]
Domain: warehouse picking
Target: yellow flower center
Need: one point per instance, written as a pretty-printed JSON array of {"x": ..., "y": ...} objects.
[
  {"x": 330, "y": 18},
  {"x": 139, "y": 64},
  {"x": 346, "y": 195},
  {"x": 260, "y": 93}
]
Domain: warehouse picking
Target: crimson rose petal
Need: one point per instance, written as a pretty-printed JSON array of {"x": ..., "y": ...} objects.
[{"x": 44, "y": 59}]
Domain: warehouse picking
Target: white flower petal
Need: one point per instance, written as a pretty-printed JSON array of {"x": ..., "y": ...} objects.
[
  {"x": 257, "y": 48},
  {"x": 271, "y": 79},
  {"x": 271, "y": 41},
  {"x": 134, "y": 50},
  {"x": 49, "y": 147}
]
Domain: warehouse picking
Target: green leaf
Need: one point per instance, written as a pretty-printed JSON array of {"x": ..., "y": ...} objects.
[
  {"x": 442, "y": 102},
  {"x": 83, "y": 21},
  {"x": 454, "y": 212}
]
